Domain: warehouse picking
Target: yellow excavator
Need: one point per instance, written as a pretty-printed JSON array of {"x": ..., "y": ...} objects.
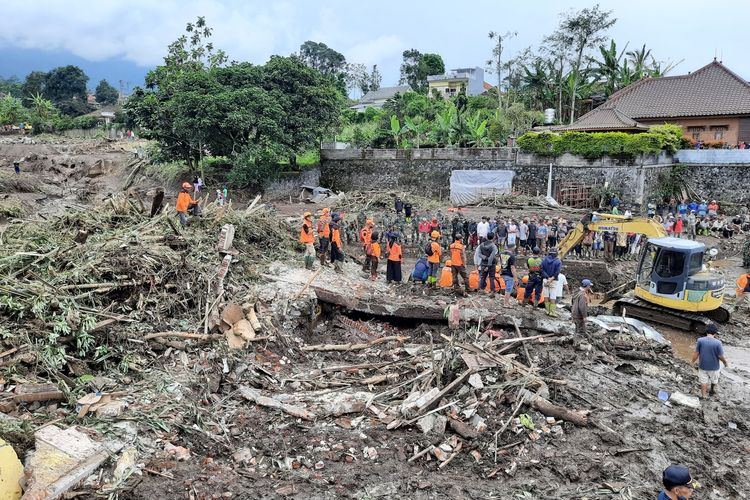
[{"x": 672, "y": 287}]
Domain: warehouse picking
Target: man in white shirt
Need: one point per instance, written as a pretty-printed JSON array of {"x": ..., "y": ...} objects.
[
  {"x": 561, "y": 283},
  {"x": 483, "y": 228},
  {"x": 523, "y": 234},
  {"x": 512, "y": 233}
]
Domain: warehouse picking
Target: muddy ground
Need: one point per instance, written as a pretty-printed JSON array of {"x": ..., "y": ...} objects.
[{"x": 343, "y": 440}]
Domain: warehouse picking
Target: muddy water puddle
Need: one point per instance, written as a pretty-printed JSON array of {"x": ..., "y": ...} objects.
[{"x": 683, "y": 345}]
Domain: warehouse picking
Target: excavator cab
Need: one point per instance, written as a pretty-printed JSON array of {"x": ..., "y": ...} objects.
[{"x": 671, "y": 275}]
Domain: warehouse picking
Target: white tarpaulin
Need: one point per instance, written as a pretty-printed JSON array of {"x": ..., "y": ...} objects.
[{"x": 472, "y": 186}]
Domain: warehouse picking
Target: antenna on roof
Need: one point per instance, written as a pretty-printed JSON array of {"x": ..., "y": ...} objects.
[
  {"x": 721, "y": 57},
  {"x": 715, "y": 55}
]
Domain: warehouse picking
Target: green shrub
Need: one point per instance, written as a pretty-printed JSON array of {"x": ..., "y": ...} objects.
[
  {"x": 85, "y": 122},
  {"x": 597, "y": 144}
]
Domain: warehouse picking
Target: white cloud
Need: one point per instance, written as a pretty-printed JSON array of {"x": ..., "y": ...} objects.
[
  {"x": 140, "y": 30},
  {"x": 376, "y": 51}
]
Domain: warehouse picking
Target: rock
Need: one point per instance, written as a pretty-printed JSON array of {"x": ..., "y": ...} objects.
[
  {"x": 125, "y": 464},
  {"x": 243, "y": 328},
  {"x": 441, "y": 421},
  {"x": 475, "y": 380},
  {"x": 685, "y": 400},
  {"x": 426, "y": 423},
  {"x": 370, "y": 452},
  {"x": 477, "y": 456},
  {"x": 111, "y": 409},
  {"x": 426, "y": 397},
  {"x": 243, "y": 455},
  {"x": 180, "y": 453},
  {"x": 464, "y": 430}
]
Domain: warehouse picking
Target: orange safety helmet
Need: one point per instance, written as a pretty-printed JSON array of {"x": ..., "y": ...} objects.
[
  {"x": 307, "y": 214},
  {"x": 525, "y": 279},
  {"x": 326, "y": 210},
  {"x": 435, "y": 235},
  {"x": 186, "y": 185},
  {"x": 448, "y": 263}
]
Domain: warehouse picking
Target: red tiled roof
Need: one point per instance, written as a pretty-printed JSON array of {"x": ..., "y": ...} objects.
[
  {"x": 604, "y": 118},
  {"x": 713, "y": 90}
]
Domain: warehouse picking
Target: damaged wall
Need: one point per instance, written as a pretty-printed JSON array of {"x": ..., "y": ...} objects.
[
  {"x": 428, "y": 170},
  {"x": 720, "y": 182},
  {"x": 290, "y": 184}
]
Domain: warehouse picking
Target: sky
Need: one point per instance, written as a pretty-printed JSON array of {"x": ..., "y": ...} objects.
[{"x": 121, "y": 41}]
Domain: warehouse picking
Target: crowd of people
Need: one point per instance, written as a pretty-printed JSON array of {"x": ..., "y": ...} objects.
[
  {"x": 494, "y": 247},
  {"x": 689, "y": 218}
]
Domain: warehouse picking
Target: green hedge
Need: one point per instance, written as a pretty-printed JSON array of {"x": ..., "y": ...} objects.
[{"x": 597, "y": 144}]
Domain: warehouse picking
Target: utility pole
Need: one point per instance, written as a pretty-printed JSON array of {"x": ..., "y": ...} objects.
[{"x": 498, "y": 53}]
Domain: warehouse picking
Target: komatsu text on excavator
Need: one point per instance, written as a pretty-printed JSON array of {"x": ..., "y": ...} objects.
[{"x": 672, "y": 285}]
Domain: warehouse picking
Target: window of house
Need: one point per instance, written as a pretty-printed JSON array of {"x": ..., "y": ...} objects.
[
  {"x": 718, "y": 131},
  {"x": 696, "y": 129},
  {"x": 695, "y": 132}
]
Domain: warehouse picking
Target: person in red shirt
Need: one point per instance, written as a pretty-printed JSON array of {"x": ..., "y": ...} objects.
[{"x": 424, "y": 231}]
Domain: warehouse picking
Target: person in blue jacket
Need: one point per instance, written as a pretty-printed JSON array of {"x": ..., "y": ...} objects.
[
  {"x": 421, "y": 270},
  {"x": 551, "y": 267},
  {"x": 678, "y": 484}
]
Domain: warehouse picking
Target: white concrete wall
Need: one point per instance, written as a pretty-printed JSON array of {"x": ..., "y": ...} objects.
[{"x": 713, "y": 156}]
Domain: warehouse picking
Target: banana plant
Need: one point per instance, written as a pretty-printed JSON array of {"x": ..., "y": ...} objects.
[
  {"x": 397, "y": 130},
  {"x": 418, "y": 127},
  {"x": 477, "y": 129}
]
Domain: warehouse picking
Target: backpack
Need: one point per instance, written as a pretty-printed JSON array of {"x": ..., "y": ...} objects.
[{"x": 428, "y": 249}]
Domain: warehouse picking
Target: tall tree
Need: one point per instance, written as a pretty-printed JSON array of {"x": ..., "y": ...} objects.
[
  {"x": 106, "y": 93},
  {"x": 11, "y": 86},
  {"x": 328, "y": 61},
  {"x": 66, "y": 82},
  {"x": 416, "y": 67},
  {"x": 35, "y": 83},
  {"x": 581, "y": 31},
  {"x": 375, "y": 78}
]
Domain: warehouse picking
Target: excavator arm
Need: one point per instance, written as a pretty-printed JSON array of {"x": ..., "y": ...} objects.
[{"x": 609, "y": 223}]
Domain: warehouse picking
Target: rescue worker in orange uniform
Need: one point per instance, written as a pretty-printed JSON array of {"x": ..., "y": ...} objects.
[
  {"x": 307, "y": 238},
  {"x": 433, "y": 251},
  {"x": 373, "y": 254},
  {"x": 186, "y": 203},
  {"x": 395, "y": 258},
  {"x": 521, "y": 291},
  {"x": 458, "y": 263},
  {"x": 324, "y": 235},
  {"x": 337, "y": 253},
  {"x": 365, "y": 236},
  {"x": 742, "y": 293}
]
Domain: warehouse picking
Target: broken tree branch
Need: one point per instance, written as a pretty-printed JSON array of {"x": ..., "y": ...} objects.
[{"x": 352, "y": 347}]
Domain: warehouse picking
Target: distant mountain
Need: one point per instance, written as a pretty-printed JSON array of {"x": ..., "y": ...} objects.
[{"x": 20, "y": 62}]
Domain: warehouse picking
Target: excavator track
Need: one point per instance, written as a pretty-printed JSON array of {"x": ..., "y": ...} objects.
[{"x": 695, "y": 322}]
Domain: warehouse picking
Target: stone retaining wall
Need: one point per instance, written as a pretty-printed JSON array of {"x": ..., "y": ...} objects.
[{"x": 428, "y": 170}]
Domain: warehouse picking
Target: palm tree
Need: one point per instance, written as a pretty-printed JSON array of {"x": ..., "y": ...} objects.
[{"x": 640, "y": 59}]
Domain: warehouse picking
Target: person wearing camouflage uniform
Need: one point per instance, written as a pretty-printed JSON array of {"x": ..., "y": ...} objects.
[{"x": 746, "y": 253}]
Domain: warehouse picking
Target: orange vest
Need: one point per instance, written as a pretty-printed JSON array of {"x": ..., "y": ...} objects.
[
  {"x": 457, "y": 254},
  {"x": 446, "y": 277},
  {"x": 324, "y": 228},
  {"x": 741, "y": 284},
  {"x": 474, "y": 281},
  {"x": 394, "y": 253},
  {"x": 436, "y": 253},
  {"x": 521, "y": 287},
  {"x": 336, "y": 237},
  {"x": 375, "y": 250},
  {"x": 184, "y": 200},
  {"x": 305, "y": 234},
  {"x": 364, "y": 235}
]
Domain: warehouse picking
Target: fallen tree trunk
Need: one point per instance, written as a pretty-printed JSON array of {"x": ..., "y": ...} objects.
[{"x": 552, "y": 410}]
